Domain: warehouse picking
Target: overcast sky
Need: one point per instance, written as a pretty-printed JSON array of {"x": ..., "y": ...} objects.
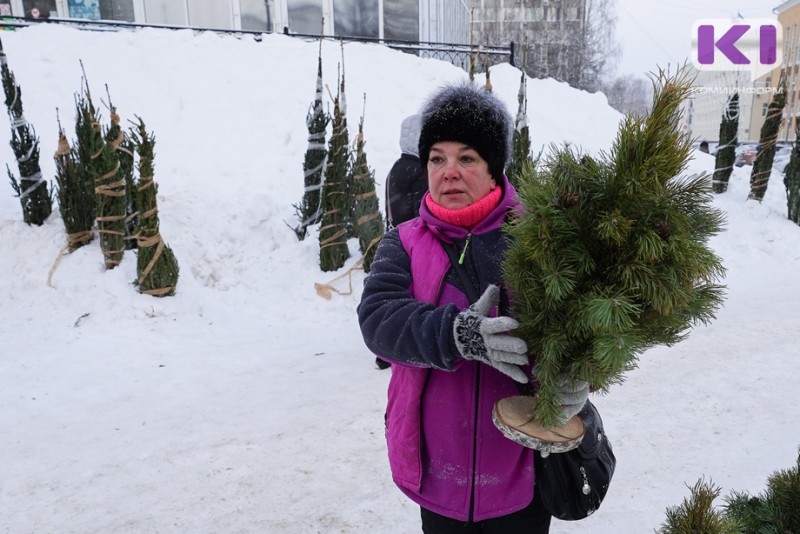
[{"x": 655, "y": 33}]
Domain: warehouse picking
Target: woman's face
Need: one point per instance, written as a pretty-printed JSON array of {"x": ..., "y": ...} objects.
[{"x": 457, "y": 175}]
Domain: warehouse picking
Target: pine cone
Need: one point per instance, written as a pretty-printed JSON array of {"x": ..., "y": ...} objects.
[
  {"x": 568, "y": 199},
  {"x": 663, "y": 229}
]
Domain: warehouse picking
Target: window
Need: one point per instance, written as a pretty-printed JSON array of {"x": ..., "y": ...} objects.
[
  {"x": 39, "y": 9},
  {"x": 764, "y": 108},
  {"x": 205, "y": 14},
  {"x": 255, "y": 15},
  {"x": 355, "y": 18},
  {"x": 305, "y": 16},
  {"x": 115, "y": 10},
  {"x": 401, "y": 20},
  {"x": 165, "y": 12}
]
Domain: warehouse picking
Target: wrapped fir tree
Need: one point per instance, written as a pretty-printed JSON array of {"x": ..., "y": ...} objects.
[
  {"x": 310, "y": 210},
  {"x": 728, "y": 139},
  {"x": 368, "y": 221},
  {"x": 89, "y": 140},
  {"x": 156, "y": 265},
  {"x": 32, "y": 189},
  {"x": 791, "y": 180},
  {"x": 521, "y": 139},
  {"x": 336, "y": 205},
  {"x": 75, "y": 196},
  {"x": 610, "y": 255},
  {"x": 348, "y": 207},
  {"x": 125, "y": 152},
  {"x": 121, "y": 142},
  {"x": 762, "y": 165},
  {"x": 109, "y": 186}
]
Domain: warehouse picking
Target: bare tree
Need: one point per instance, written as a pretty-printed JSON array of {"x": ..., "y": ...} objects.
[
  {"x": 571, "y": 40},
  {"x": 598, "y": 50},
  {"x": 629, "y": 94}
]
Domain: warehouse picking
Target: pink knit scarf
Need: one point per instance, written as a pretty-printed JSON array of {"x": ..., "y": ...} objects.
[{"x": 469, "y": 216}]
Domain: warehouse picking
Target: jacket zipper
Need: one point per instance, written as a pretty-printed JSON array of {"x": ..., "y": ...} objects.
[{"x": 464, "y": 250}]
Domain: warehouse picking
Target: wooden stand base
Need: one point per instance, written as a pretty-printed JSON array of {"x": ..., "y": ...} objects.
[{"x": 513, "y": 416}]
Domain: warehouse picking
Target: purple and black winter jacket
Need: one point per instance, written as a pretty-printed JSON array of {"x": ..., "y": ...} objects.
[{"x": 445, "y": 453}]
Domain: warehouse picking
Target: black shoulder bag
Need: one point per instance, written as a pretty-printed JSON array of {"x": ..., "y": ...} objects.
[{"x": 573, "y": 484}]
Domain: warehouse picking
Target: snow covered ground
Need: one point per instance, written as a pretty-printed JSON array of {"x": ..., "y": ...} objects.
[{"x": 247, "y": 403}]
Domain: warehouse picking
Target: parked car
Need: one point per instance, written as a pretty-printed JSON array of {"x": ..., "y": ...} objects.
[
  {"x": 782, "y": 155},
  {"x": 745, "y": 154},
  {"x": 711, "y": 146}
]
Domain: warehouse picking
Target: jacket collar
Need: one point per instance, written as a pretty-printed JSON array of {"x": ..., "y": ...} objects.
[{"x": 450, "y": 232}]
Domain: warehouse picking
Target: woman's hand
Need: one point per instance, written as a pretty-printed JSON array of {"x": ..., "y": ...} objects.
[
  {"x": 573, "y": 396},
  {"x": 479, "y": 337}
]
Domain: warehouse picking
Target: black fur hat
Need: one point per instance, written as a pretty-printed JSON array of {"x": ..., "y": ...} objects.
[{"x": 469, "y": 115}]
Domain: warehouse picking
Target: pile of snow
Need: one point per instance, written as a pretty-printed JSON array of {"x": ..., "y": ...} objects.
[{"x": 248, "y": 403}]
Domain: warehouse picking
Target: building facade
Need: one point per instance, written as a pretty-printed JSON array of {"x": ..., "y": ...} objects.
[
  {"x": 445, "y": 21},
  {"x": 789, "y": 17},
  {"x": 702, "y": 111},
  {"x": 548, "y": 33}
]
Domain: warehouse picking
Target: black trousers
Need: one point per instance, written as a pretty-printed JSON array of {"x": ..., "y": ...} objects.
[{"x": 533, "y": 519}]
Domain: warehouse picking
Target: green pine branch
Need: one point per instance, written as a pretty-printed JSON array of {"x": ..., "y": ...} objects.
[
  {"x": 610, "y": 257},
  {"x": 697, "y": 514},
  {"x": 774, "y": 511}
]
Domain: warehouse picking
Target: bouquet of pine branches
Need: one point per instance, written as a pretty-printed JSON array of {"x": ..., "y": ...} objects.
[{"x": 610, "y": 256}]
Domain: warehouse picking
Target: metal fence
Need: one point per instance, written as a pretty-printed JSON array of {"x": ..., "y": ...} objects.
[{"x": 461, "y": 55}]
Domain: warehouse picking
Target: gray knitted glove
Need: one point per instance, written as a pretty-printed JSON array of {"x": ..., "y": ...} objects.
[
  {"x": 479, "y": 337},
  {"x": 573, "y": 397}
]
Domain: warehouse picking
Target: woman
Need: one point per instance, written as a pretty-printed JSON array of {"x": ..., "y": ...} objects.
[{"x": 452, "y": 355}]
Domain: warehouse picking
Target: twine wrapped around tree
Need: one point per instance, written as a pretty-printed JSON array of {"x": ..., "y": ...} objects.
[
  {"x": 156, "y": 265},
  {"x": 369, "y": 226},
  {"x": 348, "y": 201},
  {"x": 123, "y": 146},
  {"x": 521, "y": 139},
  {"x": 610, "y": 256},
  {"x": 333, "y": 251},
  {"x": 32, "y": 189},
  {"x": 111, "y": 196},
  {"x": 791, "y": 181},
  {"x": 75, "y": 197},
  {"x": 762, "y": 165},
  {"x": 310, "y": 210},
  {"x": 728, "y": 139}
]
